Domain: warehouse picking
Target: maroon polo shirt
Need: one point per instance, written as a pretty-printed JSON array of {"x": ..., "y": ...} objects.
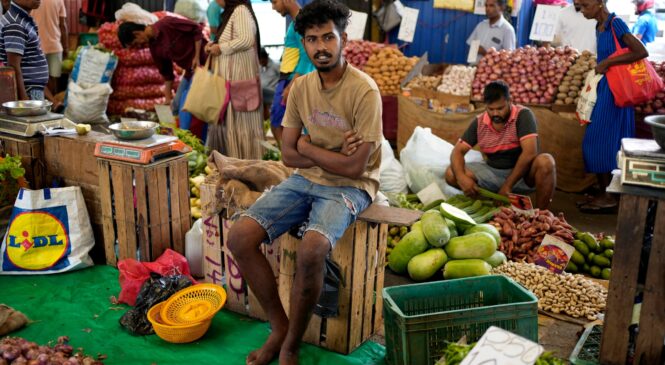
[{"x": 174, "y": 42}]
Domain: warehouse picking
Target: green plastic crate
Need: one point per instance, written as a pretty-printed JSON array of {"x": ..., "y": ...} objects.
[
  {"x": 419, "y": 319},
  {"x": 587, "y": 350}
]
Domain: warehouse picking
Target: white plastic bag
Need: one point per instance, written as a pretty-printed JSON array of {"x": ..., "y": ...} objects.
[
  {"x": 391, "y": 178},
  {"x": 131, "y": 12},
  {"x": 195, "y": 10},
  {"x": 49, "y": 232},
  {"x": 425, "y": 159},
  {"x": 93, "y": 66},
  {"x": 86, "y": 103},
  {"x": 588, "y": 96},
  {"x": 194, "y": 248}
]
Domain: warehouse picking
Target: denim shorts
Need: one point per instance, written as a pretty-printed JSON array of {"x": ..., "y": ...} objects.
[
  {"x": 328, "y": 210},
  {"x": 36, "y": 94},
  {"x": 492, "y": 179}
]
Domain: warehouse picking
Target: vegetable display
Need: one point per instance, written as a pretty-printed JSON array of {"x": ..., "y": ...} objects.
[
  {"x": 454, "y": 353},
  {"x": 388, "y": 67},
  {"x": 573, "y": 82},
  {"x": 19, "y": 351},
  {"x": 357, "y": 52},
  {"x": 571, "y": 294},
  {"x": 457, "y": 80},
  {"x": 534, "y": 74},
  {"x": 425, "y": 82},
  {"x": 593, "y": 255},
  {"x": 657, "y": 104}
]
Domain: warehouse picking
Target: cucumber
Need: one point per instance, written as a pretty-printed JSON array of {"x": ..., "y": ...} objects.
[
  {"x": 435, "y": 228},
  {"x": 473, "y": 207},
  {"x": 433, "y": 205},
  {"x": 456, "y": 269},
  {"x": 606, "y": 273},
  {"x": 482, "y": 211},
  {"x": 487, "y": 228},
  {"x": 581, "y": 247},
  {"x": 452, "y": 228},
  {"x": 487, "y": 216},
  {"x": 497, "y": 259},
  {"x": 464, "y": 204},
  {"x": 412, "y": 244},
  {"x": 577, "y": 258},
  {"x": 609, "y": 253},
  {"x": 571, "y": 268},
  {"x": 595, "y": 271},
  {"x": 477, "y": 245},
  {"x": 456, "y": 215},
  {"x": 423, "y": 266},
  {"x": 606, "y": 243},
  {"x": 602, "y": 261},
  {"x": 590, "y": 241}
]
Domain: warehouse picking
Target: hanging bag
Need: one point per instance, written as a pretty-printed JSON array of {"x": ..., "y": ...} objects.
[
  {"x": 208, "y": 96},
  {"x": 245, "y": 94},
  {"x": 588, "y": 96},
  {"x": 634, "y": 83}
]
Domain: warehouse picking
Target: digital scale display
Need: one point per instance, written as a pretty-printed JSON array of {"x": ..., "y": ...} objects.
[
  {"x": 141, "y": 152},
  {"x": 120, "y": 152}
]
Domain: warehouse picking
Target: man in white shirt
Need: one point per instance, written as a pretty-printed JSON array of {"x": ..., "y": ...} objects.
[
  {"x": 495, "y": 31},
  {"x": 574, "y": 30}
]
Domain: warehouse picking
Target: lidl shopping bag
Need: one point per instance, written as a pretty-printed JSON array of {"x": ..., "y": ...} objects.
[{"x": 49, "y": 232}]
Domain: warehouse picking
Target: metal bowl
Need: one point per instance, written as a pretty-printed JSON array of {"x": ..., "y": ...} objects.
[
  {"x": 657, "y": 123},
  {"x": 27, "y": 108},
  {"x": 133, "y": 130}
]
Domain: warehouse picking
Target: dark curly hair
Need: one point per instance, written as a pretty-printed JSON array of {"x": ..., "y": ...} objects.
[{"x": 319, "y": 12}]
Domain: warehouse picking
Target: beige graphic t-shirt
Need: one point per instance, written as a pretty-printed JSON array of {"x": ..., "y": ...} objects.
[{"x": 354, "y": 103}]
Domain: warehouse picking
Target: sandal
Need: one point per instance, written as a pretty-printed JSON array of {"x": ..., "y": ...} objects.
[
  {"x": 586, "y": 200},
  {"x": 594, "y": 208}
]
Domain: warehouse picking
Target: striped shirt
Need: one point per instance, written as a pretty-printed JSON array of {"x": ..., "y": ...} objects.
[
  {"x": 503, "y": 147},
  {"x": 19, "y": 35}
]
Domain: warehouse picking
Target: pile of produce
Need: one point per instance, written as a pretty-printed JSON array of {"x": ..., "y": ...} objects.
[
  {"x": 19, "y": 351},
  {"x": 481, "y": 210},
  {"x": 534, "y": 74},
  {"x": 136, "y": 81},
  {"x": 406, "y": 201},
  {"x": 573, "y": 82},
  {"x": 571, "y": 294},
  {"x": 358, "y": 52},
  {"x": 446, "y": 238},
  {"x": 457, "y": 80},
  {"x": 521, "y": 234},
  {"x": 454, "y": 354},
  {"x": 425, "y": 82},
  {"x": 593, "y": 255},
  {"x": 388, "y": 67},
  {"x": 657, "y": 105},
  {"x": 395, "y": 234}
]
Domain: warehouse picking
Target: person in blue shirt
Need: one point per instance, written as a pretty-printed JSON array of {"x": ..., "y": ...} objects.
[
  {"x": 214, "y": 17},
  {"x": 646, "y": 27}
]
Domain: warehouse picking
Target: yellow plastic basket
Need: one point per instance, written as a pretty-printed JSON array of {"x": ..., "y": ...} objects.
[
  {"x": 196, "y": 303},
  {"x": 176, "y": 334}
]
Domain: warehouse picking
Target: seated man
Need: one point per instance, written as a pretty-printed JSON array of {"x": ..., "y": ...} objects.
[
  {"x": 507, "y": 134},
  {"x": 337, "y": 177}
]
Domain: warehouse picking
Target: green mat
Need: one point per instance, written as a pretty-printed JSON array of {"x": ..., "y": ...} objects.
[{"x": 77, "y": 305}]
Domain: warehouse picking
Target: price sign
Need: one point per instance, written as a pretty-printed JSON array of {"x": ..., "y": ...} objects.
[
  {"x": 356, "y": 27},
  {"x": 479, "y": 7},
  {"x": 500, "y": 347},
  {"x": 407, "y": 28},
  {"x": 544, "y": 23}
]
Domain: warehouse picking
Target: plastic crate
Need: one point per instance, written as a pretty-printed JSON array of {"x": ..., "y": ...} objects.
[
  {"x": 420, "y": 318},
  {"x": 587, "y": 350}
]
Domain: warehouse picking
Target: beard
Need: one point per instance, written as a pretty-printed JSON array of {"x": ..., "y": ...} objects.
[
  {"x": 499, "y": 120},
  {"x": 329, "y": 67}
]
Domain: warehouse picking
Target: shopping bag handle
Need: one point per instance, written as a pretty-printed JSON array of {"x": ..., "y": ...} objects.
[{"x": 46, "y": 191}]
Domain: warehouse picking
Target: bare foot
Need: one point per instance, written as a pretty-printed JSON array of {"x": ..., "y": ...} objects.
[
  {"x": 288, "y": 358},
  {"x": 269, "y": 351}
]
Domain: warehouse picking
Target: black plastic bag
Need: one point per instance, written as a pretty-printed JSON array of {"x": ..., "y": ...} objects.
[
  {"x": 328, "y": 305},
  {"x": 155, "y": 290}
]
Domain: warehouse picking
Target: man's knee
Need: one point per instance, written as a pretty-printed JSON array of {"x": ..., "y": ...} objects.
[
  {"x": 244, "y": 236},
  {"x": 312, "y": 252},
  {"x": 544, "y": 164}
]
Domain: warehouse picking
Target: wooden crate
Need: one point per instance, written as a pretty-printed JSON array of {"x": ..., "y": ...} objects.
[
  {"x": 633, "y": 208},
  {"x": 31, "y": 151},
  {"x": 360, "y": 253},
  {"x": 144, "y": 207}
]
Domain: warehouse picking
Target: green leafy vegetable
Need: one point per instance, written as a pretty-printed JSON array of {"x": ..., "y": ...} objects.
[{"x": 11, "y": 166}]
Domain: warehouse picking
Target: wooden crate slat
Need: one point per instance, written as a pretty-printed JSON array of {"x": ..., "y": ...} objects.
[
  {"x": 213, "y": 259},
  {"x": 649, "y": 348},
  {"x": 236, "y": 293},
  {"x": 287, "y": 270},
  {"x": 107, "y": 212},
  {"x": 119, "y": 204},
  {"x": 142, "y": 213},
  {"x": 370, "y": 278},
  {"x": 357, "y": 280},
  {"x": 185, "y": 213},
  {"x": 154, "y": 214},
  {"x": 621, "y": 295},
  {"x": 313, "y": 332},
  {"x": 337, "y": 330},
  {"x": 178, "y": 239},
  {"x": 130, "y": 222},
  {"x": 163, "y": 201},
  {"x": 382, "y": 243}
]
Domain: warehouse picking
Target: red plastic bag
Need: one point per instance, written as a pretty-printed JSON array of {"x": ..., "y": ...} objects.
[
  {"x": 632, "y": 84},
  {"x": 134, "y": 273}
]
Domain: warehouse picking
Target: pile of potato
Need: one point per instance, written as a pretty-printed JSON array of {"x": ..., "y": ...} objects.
[
  {"x": 388, "y": 67},
  {"x": 425, "y": 82},
  {"x": 573, "y": 82},
  {"x": 357, "y": 52}
]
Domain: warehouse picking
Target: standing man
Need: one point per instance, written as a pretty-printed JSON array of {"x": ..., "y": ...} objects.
[
  {"x": 495, "y": 31},
  {"x": 294, "y": 64},
  {"x": 19, "y": 48},
  {"x": 171, "y": 40},
  {"x": 574, "y": 30},
  {"x": 508, "y": 135},
  {"x": 337, "y": 177},
  {"x": 51, "y": 18},
  {"x": 646, "y": 26}
]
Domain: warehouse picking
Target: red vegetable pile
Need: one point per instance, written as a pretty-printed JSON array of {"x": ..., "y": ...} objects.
[
  {"x": 534, "y": 74},
  {"x": 521, "y": 235},
  {"x": 18, "y": 351},
  {"x": 657, "y": 105},
  {"x": 358, "y": 52}
]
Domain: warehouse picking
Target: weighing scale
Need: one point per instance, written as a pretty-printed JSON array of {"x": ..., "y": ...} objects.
[
  {"x": 29, "y": 126},
  {"x": 642, "y": 162},
  {"x": 142, "y": 151}
]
